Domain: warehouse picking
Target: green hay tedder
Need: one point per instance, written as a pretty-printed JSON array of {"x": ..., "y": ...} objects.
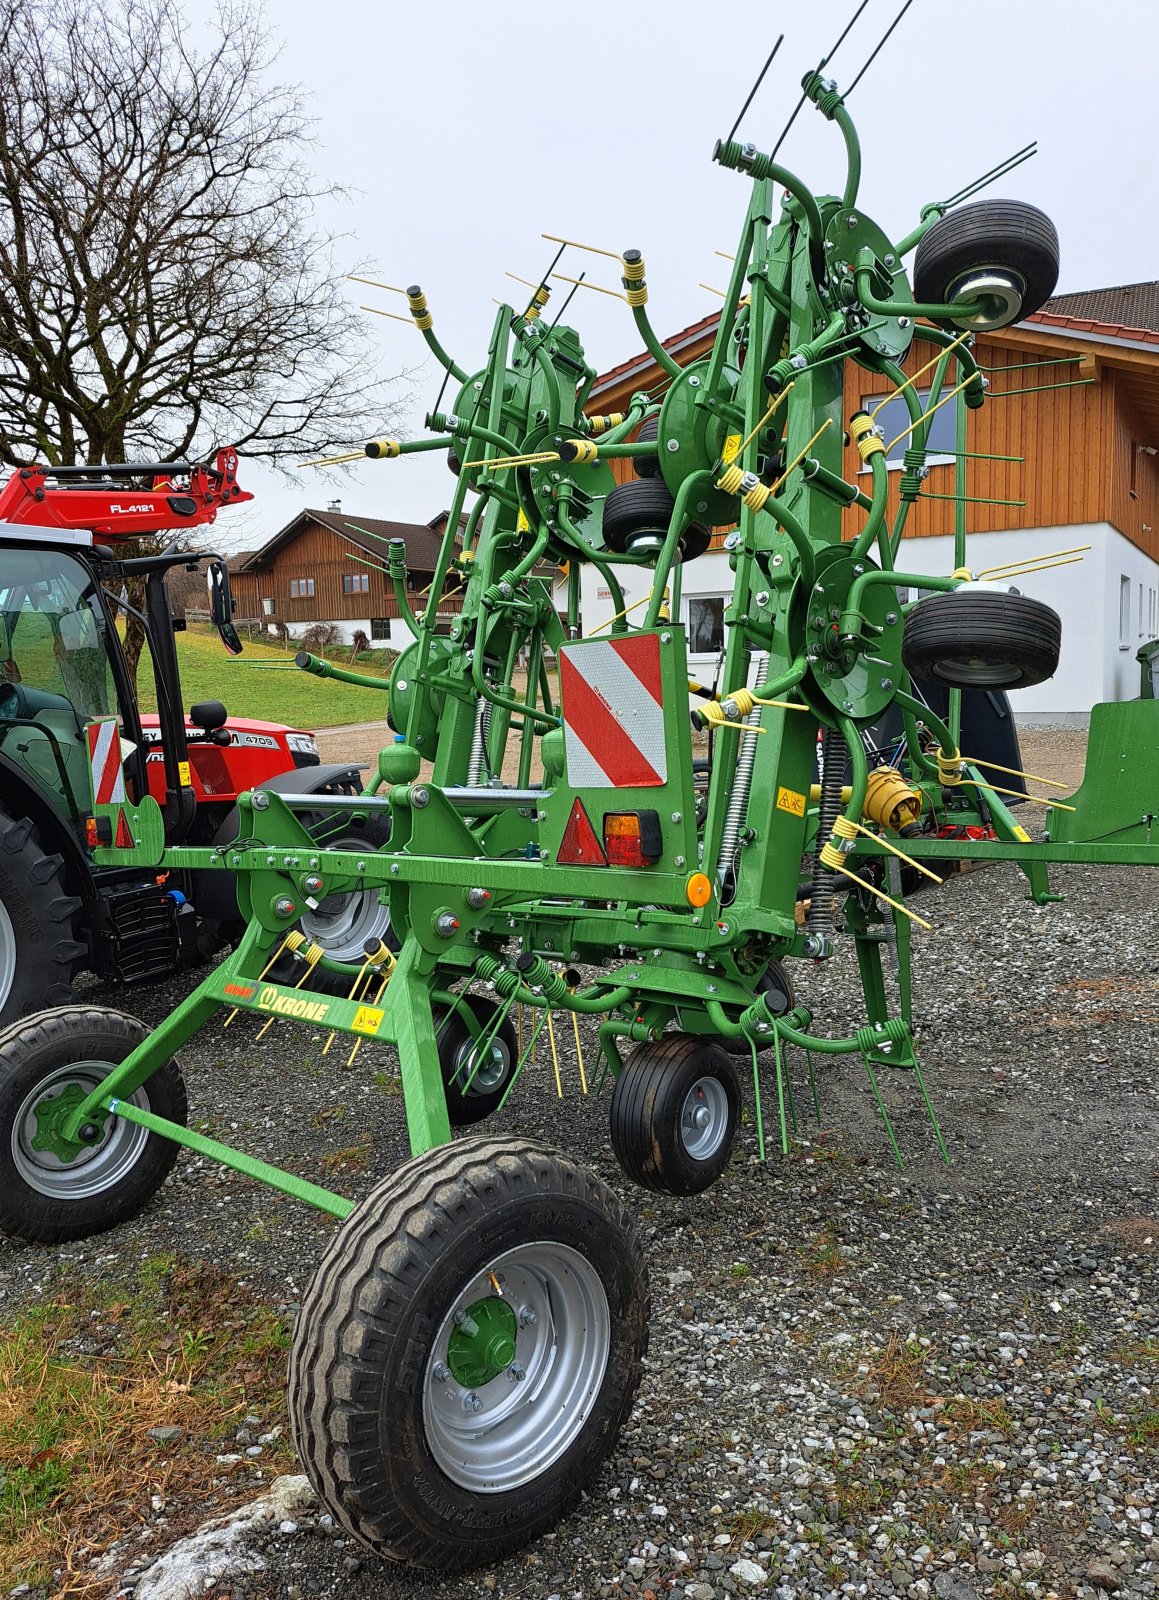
[{"x": 472, "y": 1339}]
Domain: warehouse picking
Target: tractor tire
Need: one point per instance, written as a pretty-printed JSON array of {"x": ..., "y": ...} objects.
[
  {"x": 674, "y": 1115},
  {"x": 645, "y": 506},
  {"x": 47, "y": 1199},
  {"x": 974, "y": 640},
  {"x": 1006, "y": 237},
  {"x": 647, "y": 466},
  {"x": 443, "y": 1424},
  {"x": 39, "y": 950},
  {"x": 484, "y": 1093}
]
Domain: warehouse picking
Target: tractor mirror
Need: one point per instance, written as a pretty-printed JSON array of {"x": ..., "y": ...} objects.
[{"x": 221, "y": 605}]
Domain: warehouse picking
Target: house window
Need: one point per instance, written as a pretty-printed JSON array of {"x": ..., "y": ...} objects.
[
  {"x": 301, "y": 588},
  {"x": 1124, "y": 613},
  {"x": 894, "y": 418},
  {"x": 268, "y": 607},
  {"x": 356, "y": 583},
  {"x": 379, "y": 628},
  {"x": 705, "y": 624},
  {"x": 410, "y": 580}
]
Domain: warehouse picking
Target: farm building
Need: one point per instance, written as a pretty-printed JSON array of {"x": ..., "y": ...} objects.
[
  {"x": 324, "y": 566},
  {"x": 1074, "y": 390}
]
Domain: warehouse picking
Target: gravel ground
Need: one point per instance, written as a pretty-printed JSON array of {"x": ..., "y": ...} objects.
[{"x": 941, "y": 1381}]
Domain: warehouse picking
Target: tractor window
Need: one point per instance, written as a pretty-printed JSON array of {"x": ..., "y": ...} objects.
[{"x": 54, "y": 667}]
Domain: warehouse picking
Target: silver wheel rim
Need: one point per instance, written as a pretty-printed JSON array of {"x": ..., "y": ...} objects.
[
  {"x": 344, "y": 923},
  {"x": 508, "y": 1431},
  {"x": 491, "y": 1072},
  {"x": 704, "y": 1118},
  {"x": 99, "y": 1167},
  {"x": 980, "y": 674},
  {"x": 7, "y": 956}
]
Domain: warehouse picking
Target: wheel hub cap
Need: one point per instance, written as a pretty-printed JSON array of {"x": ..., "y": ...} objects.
[
  {"x": 51, "y": 1115},
  {"x": 483, "y": 1343}
]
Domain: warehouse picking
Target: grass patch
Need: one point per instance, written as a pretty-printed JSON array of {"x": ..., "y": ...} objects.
[
  {"x": 262, "y": 683},
  {"x": 822, "y": 1254},
  {"x": 83, "y": 1380}
]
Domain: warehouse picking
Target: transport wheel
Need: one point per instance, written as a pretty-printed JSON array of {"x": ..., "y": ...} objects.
[
  {"x": 647, "y": 466},
  {"x": 50, "y": 1190},
  {"x": 674, "y": 1113},
  {"x": 468, "y": 1351},
  {"x": 343, "y": 924},
  {"x": 474, "y": 1091},
  {"x": 972, "y": 639},
  {"x": 636, "y": 518},
  {"x": 39, "y": 950},
  {"x": 777, "y": 988},
  {"x": 1002, "y": 252}
]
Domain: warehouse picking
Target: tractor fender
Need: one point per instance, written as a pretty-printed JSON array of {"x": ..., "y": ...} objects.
[{"x": 214, "y": 894}]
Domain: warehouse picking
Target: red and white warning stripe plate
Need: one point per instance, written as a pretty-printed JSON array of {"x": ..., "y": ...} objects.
[
  {"x": 613, "y": 719},
  {"x": 108, "y": 776}
]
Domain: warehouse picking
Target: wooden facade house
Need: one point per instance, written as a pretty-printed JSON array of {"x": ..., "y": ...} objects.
[
  {"x": 1074, "y": 392},
  {"x": 326, "y": 566}
]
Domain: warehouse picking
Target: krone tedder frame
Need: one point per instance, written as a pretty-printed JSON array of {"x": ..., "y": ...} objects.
[{"x": 472, "y": 1339}]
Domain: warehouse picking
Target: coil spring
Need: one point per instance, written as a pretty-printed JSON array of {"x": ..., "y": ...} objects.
[
  {"x": 738, "y": 800},
  {"x": 820, "y": 918}
]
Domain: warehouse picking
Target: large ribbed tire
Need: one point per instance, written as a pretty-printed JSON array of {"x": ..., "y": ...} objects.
[
  {"x": 475, "y": 1090},
  {"x": 674, "y": 1115},
  {"x": 39, "y": 950},
  {"x": 647, "y": 466},
  {"x": 642, "y": 509},
  {"x": 414, "y": 1430},
  {"x": 972, "y": 639},
  {"x": 44, "y": 1197},
  {"x": 1003, "y": 237}
]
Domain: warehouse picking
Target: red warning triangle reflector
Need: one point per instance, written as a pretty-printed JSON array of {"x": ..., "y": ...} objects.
[
  {"x": 580, "y": 847},
  {"x": 123, "y": 839}
]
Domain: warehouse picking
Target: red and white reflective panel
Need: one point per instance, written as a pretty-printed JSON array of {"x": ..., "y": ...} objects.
[
  {"x": 613, "y": 720},
  {"x": 108, "y": 777}
]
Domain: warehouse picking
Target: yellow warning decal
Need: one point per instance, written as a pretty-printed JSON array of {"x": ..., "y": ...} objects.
[
  {"x": 789, "y": 800},
  {"x": 731, "y": 446},
  {"x": 521, "y": 523},
  {"x": 183, "y": 777},
  {"x": 367, "y": 1019},
  {"x": 1021, "y": 835}
]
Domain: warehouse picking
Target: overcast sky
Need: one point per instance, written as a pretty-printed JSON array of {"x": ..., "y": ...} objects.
[{"x": 467, "y": 129}]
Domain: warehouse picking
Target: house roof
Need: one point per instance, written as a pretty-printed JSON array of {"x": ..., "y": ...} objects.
[
  {"x": 422, "y": 539},
  {"x": 1131, "y": 307}
]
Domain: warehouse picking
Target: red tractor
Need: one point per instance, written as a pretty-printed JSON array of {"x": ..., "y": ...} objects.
[{"x": 62, "y": 582}]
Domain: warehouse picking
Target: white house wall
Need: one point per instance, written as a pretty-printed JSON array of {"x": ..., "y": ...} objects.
[{"x": 1096, "y": 663}]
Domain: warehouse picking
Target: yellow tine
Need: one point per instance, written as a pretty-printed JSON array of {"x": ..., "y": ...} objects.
[
  {"x": 579, "y": 1050},
  {"x": 893, "y": 850},
  {"x": 352, "y": 277},
  {"x": 896, "y": 904},
  {"x": 269, "y": 966},
  {"x": 945, "y": 400},
  {"x": 393, "y": 315},
  {"x": 554, "y": 1054},
  {"x": 1015, "y": 772},
  {"x": 712, "y": 289},
  {"x": 725, "y": 255},
  {"x": 1051, "y": 555},
  {"x": 800, "y": 456},
  {"x": 1055, "y": 805},
  {"x": 1024, "y": 572},
  {"x": 582, "y": 283},
  {"x": 593, "y": 249},
  {"x": 902, "y": 387}
]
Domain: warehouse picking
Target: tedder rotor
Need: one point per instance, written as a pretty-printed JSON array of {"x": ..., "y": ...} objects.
[{"x": 473, "y": 1336}]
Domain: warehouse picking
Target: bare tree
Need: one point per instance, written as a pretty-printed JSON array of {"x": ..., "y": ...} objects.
[{"x": 165, "y": 287}]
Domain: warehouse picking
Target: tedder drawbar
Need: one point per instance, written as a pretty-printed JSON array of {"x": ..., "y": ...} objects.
[{"x": 472, "y": 1340}]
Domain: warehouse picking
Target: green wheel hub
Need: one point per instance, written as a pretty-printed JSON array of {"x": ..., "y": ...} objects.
[
  {"x": 483, "y": 1343},
  {"x": 51, "y": 1115}
]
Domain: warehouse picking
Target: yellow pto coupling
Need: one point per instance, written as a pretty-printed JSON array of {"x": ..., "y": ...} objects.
[{"x": 890, "y": 801}]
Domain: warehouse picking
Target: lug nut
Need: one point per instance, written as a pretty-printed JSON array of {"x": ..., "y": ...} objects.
[
  {"x": 516, "y": 1373},
  {"x": 471, "y": 1402},
  {"x": 440, "y": 1373},
  {"x": 527, "y": 1317},
  {"x": 312, "y": 883}
]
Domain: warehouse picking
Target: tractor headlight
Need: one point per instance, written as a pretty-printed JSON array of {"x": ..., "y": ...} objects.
[{"x": 304, "y": 749}]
